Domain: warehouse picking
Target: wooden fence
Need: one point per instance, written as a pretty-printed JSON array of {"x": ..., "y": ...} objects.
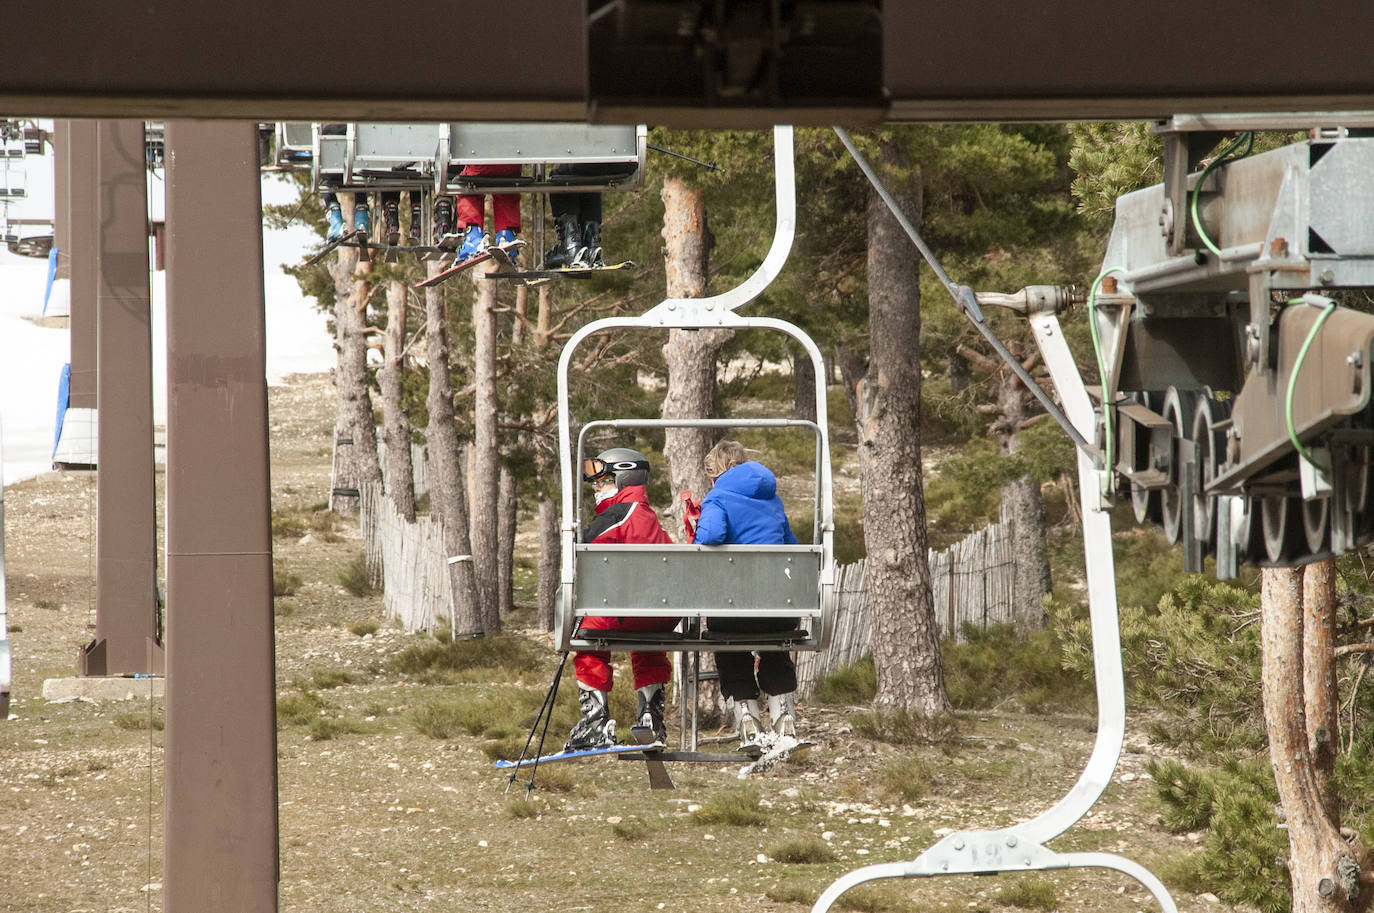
[
  {"x": 973, "y": 582},
  {"x": 408, "y": 560}
]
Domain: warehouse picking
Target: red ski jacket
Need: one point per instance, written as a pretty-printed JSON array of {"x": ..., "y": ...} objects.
[{"x": 626, "y": 517}]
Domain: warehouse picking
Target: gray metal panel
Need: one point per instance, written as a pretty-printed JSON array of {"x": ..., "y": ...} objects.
[
  {"x": 1341, "y": 197},
  {"x": 551, "y": 143},
  {"x": 652, "y": 580},
  {"x": 397, "y": 142}
]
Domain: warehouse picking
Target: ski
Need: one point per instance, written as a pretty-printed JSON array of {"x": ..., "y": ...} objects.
[
  {"x": 340, "y": 241},
  {"x": 780, "y": 749},
  {"x": 659, "y": 778},
  {"x": 570, "y": 755},
  {"x": 444, "y": 247},
  {"x": 490, "y": 253},
  {"x": 540, "y": 276}
]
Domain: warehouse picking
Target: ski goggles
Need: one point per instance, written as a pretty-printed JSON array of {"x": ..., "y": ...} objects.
[{"x": 594, "y": 469}]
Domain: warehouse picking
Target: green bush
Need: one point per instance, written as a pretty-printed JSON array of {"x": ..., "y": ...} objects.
[
  {"x": 735, "y": 807},
  {"x": 906, "y": 779},
  {"x": 1244, "y": 852},
  {"x": 630, "y": 829},
  {"x": 286, "y": 526},
  {"x": 520, "y": 809},
  {"x": 1025, "y": 666},
  {"x": 285, "y": 583},
  {"x": 324, "y": 728},
  {"x": 139, "y": 721},
  {"x": 803, "y": 851},
  {"x": 324, "y": 679},
  {"x": 791, "y": 893},
  {"x": 299, "y": 708},
  {"x": 356, "y": 578},
  {"x": 851, "y": 685},
  {"x": 363, "y": 628}
]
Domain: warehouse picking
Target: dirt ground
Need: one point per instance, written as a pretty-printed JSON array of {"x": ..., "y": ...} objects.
[{"x": 377, "y": 816}]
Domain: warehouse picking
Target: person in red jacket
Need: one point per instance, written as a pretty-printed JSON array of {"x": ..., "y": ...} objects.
[{"x": 618, "y": 478}]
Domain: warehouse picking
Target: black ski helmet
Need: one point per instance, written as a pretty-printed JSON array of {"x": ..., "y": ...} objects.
[{"x": 628, "y": 467}]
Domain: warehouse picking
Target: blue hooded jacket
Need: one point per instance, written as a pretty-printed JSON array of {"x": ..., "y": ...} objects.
[{"x": 744, "y": 509}]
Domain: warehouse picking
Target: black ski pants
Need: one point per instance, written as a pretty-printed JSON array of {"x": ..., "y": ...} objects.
[{"x": 776, "y": 673}]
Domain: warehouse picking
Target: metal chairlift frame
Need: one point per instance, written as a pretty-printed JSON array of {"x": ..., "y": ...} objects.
[
  {"x": 1021, "y": 848},
  {"x": 5, "y": 659},
  {"x": 700, "y": 581}
]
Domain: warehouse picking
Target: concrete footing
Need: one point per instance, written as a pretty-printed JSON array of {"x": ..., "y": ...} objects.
[{"x": 103, "y": 688}]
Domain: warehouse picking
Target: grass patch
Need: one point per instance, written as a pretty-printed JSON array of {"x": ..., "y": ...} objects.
[
  {"x": 299, "y": 708},
  {"x": 1031, "y": 894},
  {"x": 324, "y": 679},
  {"x": 1182, "y": 873},
  {"x": 803, "y": 851},
  {"x": 13, "y": 629},
  {"x": 135, "y": 722},
  {"x": 470, "y": 660},
  {"x": 356, "y": 578},
  {"x": 874, "y": 900},
  {"x": 850, "y": 685},
  {"x": 905, "y": 779},
  {"x": 555, "y": 779},
  {"x": 791, "y": 893},
  {"x": 902, "y": 727},
  {"x": 287, "y": 526},
  {"x": 284, "y": 582},
  {"x": 736, "y": 808},
  {"x": 362, "y": 628},
  {"x": 45, "y": 603},
  {"x": 631, "y": 829},
  {"x": 324, "y": 728},
  {"x": 521, "y": 809}
]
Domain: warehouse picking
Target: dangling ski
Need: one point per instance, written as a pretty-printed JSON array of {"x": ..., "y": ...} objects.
[
  {"x": 500, "y": 254},
  {"x": 570, "y": 755},
  {"x": 540, "y": 276},
  {"x": 341, "y": 240},
  {"x": 445, "y": 247}
]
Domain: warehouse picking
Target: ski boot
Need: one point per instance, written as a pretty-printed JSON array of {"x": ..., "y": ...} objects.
[
  {"x": 782, "y": 714},
  {"x": 416, "y": 233},
  {"x": 362, "y": 218},
  {"x": 749, "y": 725},
  {"x": 649, "y": 711},
  {"x": 596, "y": 729},
  {"x": 443, "y": 218},
  {"x": 565, "y": 249},
  {"x": 504, "y": 238},
  {"x": 391, "y": 218},
  {"x": 474, "y": 243},
  {"x": 589, "y": 256},
  {"x": 336, "y": 223}
]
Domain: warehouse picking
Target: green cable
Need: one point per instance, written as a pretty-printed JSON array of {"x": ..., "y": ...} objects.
[
  {"x": 1247, "y": 136},
  {"x": 1293, "y": 378},
  {"x": 1101, "y": 365}
]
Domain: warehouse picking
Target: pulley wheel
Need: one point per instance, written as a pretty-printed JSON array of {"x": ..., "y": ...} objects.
[
  {"x": 1281, "y": 523},
  {"x": 1178, "y": 409},
  {"x": 1209, "y": 443},
  {"x": 1316, "y": 525},
  {"x": 1144, "y": 502},
  {"x": 1246, "y": 532}
]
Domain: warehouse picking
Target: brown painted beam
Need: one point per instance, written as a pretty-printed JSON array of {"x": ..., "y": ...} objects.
[
  {"x": 221, "y": 793},
  {"x": 81, "y": 184},
  {"x": 62, "y": 198},
  {"x": 127, "y": 638}
]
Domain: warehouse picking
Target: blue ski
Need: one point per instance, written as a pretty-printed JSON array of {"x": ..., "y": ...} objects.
[{"x": 569, "y": 755}]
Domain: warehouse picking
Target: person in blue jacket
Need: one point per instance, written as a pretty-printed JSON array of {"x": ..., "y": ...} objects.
[{"x": 743, "y": 508}]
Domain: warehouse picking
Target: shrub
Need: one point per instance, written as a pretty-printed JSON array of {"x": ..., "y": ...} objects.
[
  {"x": 299, "y": 708},
  {"x": 455, "y": 661},
  {"x": 285, "y": 583},
  {"x": 903, "y": 727},
  {"x": 1031, "y": 894},
  {"x": 523, "y": 808},
  {"x": 356, "y": 578},
  {"x": 1025, "y": 665},
  {"x": 13, "y": 629},
  {"x": 286, "y": 526},
  {"x": 906, "y": 779},
  {"x": 736, "y": 808},
  {"x": 631, "y": 829},
  {"x": 363, "y": 628},
  {"x": 139, "y": 721},
  {"x": 850, "y": 685},
  {"x": 324, "y": 679},
  {"x": 803, "y": 851},
  {"x": 791, "y": 893},
  {"x": 45, "y": 604},
  {"x": 324, "y": 728}
]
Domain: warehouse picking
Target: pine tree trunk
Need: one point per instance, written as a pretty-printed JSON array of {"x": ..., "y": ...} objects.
[
  {"x": 690, "y": 354},
  {"x": 1323, "y": 867},
  {"x": 485, "y": 458},
  {"x": 1319, "y": 675},
  {"x": 447, "y": 485},
  {"x": 399, "y": 470},
  {"x": 906, "y": 649},
  {"x": 356, "y": 461},
  {"x": 549, "y": 551},
  {"x": 505, "y": 552},
  {"x": 803, "y": 387},
  {"x": 1025, "y": 509}
]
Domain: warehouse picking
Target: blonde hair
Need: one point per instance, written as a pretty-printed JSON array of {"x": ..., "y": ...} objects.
[{"x": 723, "y": 456}]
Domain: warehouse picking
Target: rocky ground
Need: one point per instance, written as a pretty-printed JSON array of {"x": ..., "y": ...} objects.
[{"x": 382, "y": 810}]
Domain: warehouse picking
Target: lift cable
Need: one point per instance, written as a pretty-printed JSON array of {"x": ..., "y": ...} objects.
[
  {"x": 709, "y": 166},
  {"x": 964, "y": 298}
]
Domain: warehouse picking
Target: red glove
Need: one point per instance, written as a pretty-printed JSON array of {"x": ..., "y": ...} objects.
[{"x": 691, "y": 512}]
